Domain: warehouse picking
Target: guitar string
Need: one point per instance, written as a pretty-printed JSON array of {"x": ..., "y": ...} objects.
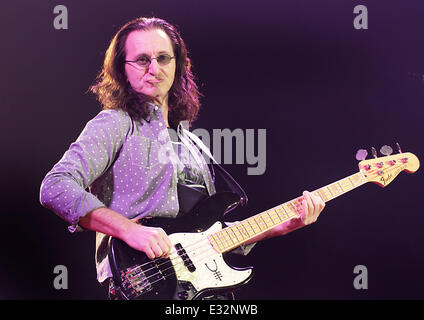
[{"x": 230, "y": 228}]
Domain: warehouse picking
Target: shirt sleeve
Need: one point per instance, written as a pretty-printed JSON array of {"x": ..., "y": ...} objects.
[{"x": 63, "y": 190}]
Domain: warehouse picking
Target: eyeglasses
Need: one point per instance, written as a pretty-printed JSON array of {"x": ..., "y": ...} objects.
[{"x": 144, "y": 61}]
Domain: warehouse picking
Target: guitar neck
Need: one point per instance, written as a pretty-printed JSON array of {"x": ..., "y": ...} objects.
[{"x": 243, "y": 231}]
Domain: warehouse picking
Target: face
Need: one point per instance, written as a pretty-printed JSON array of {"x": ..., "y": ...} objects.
[{"x": 153, "y": 80}]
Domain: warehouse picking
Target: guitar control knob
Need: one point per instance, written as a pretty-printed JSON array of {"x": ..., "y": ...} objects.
[{"x": 183, "y": 295}]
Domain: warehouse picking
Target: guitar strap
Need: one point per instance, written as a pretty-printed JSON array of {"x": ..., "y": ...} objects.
[
  {"x": 215, "y": 166},
  {"x": 207, "y": 177}
]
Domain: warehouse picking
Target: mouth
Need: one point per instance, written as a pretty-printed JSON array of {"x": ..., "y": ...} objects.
[{"x": 153, "y": 81}]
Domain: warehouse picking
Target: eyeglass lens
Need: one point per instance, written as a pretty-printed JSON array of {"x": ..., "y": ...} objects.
[{"x": 162, "y": 59}]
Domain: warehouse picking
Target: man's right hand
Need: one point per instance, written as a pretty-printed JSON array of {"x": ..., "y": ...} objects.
[{"x": 154, "y": 242}]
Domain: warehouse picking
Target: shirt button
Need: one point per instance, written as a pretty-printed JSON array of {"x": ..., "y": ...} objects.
[
  {"x": 156, "y": 107},
  {"x": 160, "y": 124}
]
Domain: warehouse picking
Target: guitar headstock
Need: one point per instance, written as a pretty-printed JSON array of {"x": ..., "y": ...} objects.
[{"x": 384, "y": 170}]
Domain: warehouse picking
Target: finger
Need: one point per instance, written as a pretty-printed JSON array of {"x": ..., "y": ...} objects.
[
  {"x": 309, "y": 208},
  {"x": 309, "y": 200},
  {"x": 165, "y": 243},
  {"x": 156, "y": 250},
  {"x": 318, "y": 205},
  {"x": 169, "y": 246},
  {"x": 306, "y": 212},
  {"x": 149, "y": 253}
]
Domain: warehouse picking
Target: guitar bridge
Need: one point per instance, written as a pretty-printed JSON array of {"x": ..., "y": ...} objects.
[{"x": 135, "y": 281}]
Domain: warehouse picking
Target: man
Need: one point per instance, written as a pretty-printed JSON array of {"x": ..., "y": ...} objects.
[{"x": 145, "y": 87}]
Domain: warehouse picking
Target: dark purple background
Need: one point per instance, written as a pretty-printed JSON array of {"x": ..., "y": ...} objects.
[{"x": 297, "y": 68}]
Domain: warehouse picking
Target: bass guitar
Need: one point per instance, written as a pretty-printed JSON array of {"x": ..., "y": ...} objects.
[{"x": 195, "y": 267}]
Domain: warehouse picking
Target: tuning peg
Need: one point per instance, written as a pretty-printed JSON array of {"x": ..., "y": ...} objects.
[
  {"x": 361, "y": 154},
  {"x": 386, "y": 150},
  {"x": 398, "y": 147},
  {"x": 374, "y": 152}
]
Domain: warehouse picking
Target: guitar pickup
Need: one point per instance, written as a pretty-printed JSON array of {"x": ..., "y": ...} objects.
[{"x": 183, "y": 254}]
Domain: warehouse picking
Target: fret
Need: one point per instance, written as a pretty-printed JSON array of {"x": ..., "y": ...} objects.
[
  {"x": 278, "y": 211},
  {"x": 346, "y": 185},
  {"x": 250, "y": 225},
  {"x": 225, "y": 231},
  {"x": 357, "y": 179},
  {"x": 351, "y": 182},
  {"x": 241, "y": 232},
  {"x": 331, "y": 194},
  {"x": 237, "y": 232},
  {"x": 235, "y": 235},
  {"x": 218, "y": 243},
  {"x": 285, "y": 212},
  {"x": 267, "y": 219},
  {"x": 291, "y": 206},
  {"x": 278, "y": 216},
  {"x": 222, "y": 246},
  {"x": 322, "y": 195},
  {"x": 224, "y": 237},
  {"x": 298, "y": 205},
  {"x": 262, "y": 218},
  {"x": 242, "y": 229},
  {"x": 338, "y": 182},
  {"x": 258, "y": 223},
  {"x": 336, "y": 189},
  {"x": 216, "y": 240}
]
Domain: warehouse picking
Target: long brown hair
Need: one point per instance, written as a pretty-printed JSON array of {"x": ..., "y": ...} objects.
[{"x": 114, "y": 92}]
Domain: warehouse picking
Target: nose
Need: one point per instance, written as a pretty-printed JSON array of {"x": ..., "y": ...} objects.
[{"x": 153, "y": 67}]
